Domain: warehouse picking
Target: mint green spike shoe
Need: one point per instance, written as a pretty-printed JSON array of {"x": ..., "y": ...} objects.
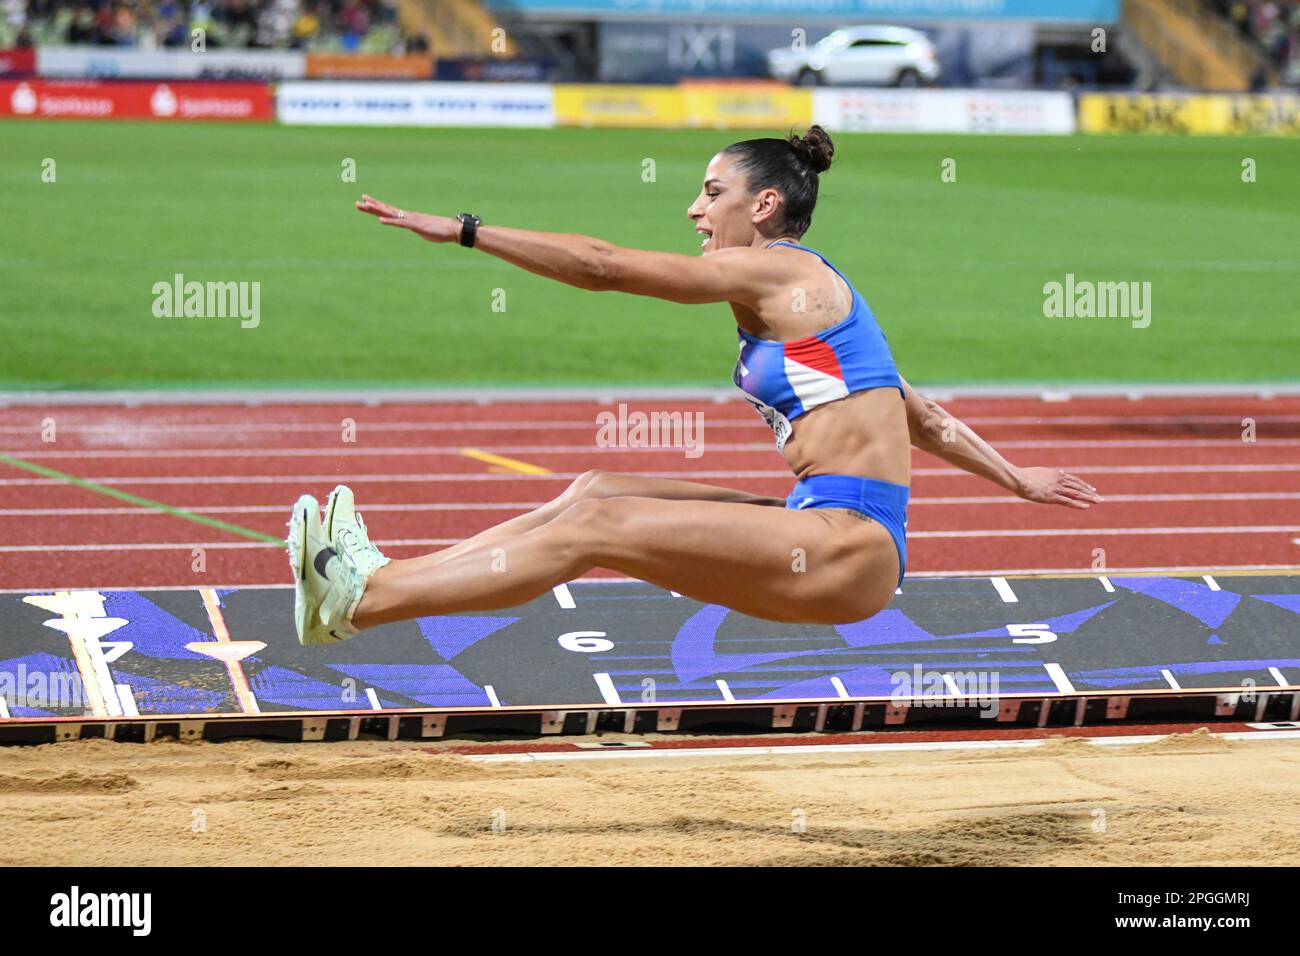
[
  {"x": 327, "y": 585},
  {"x": 347, "y": 532}
]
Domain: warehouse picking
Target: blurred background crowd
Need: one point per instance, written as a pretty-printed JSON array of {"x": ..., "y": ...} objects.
[
  {"x": 1273, "y": 25},
  {"x": 1158, "y": 44},
  {"x": 364, "y": 26}
]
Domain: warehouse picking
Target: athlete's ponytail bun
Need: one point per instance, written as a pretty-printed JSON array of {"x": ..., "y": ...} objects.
[
  {"x": 815, "y": 148},
  {"x": 792, "y": 165}
]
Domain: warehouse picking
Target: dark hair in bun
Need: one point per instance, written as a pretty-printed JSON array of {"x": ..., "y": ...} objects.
[
  {"x": 791, "y": 166},
  {"x": 815, "y": 147}
]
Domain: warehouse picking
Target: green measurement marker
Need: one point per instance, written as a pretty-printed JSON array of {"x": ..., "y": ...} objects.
[{"x": 137, "y": 500}]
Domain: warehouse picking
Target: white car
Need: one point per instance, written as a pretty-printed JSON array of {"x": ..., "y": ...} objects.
[{"x": 870, "y": 55}]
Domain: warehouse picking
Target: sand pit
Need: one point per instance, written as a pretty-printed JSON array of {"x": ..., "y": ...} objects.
[{"x": 1188, "y": 799}]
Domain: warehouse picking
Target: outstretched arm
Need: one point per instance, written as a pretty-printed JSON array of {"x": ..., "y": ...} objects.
[
  {"x": 934, "y": 430},
  {"x": 729, "y": 275}
]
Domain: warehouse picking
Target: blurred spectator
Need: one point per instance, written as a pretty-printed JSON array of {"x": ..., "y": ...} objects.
[
  {"x": 323, "y": 25},
  {"x": 1273, "y": 26}
]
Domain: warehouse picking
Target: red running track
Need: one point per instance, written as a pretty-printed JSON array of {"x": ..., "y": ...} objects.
[{"x": 1183, "y": 489}]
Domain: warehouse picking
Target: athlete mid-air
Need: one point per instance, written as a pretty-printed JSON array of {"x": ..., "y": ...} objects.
[{"x": 812, "y": 360}]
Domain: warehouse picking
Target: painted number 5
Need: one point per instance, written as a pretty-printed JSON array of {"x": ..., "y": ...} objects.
[
  {"x": 586, "y": 642},
  {"x": 1030, "y": 634}
]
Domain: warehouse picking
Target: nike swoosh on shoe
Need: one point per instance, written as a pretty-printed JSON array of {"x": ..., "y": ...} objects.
[{"x": 321, "y": 561}]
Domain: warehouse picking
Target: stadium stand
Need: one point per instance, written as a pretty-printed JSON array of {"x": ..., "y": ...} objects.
[
  {"x": 1273, "y": 27},
  {"x": 1194, "y": 47}
]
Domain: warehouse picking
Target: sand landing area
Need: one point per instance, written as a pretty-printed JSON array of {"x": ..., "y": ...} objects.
[{"x": 1188, "y": 799}]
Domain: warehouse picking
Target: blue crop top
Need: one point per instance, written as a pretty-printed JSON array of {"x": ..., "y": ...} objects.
[{"x": 784, "y": 380}]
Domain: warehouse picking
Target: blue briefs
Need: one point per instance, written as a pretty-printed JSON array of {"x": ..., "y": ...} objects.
[{"x": 882, "y": 501}]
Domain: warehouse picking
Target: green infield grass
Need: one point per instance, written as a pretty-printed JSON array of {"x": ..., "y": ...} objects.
[{"x": 955, "y": 271}]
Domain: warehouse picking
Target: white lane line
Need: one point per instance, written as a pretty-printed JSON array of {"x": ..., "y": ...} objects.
[
  {"x": 1180, "y": 497},
  {"x": 608, "y": 692},
  {"x": 462, "y": 477},
  {"x": 1081, "y": 532},
  {"x": 270, "y": 509},
  {"x": 1057, "y": 674},
  {"x": 139, "y": 431},
  {"x": 456, "y": 506},
  {"x": 725, "y": 690},
  {"x": 1213, "y": 584},
  {"x": 1076, "y": 572},
  {"x": 142, "y": 429},
  {"x": 444, "y": 399},
  {"x": 491, "y": 695},
  {"x": 1169, "y": 679},
  {"x": 127, "y": 700},
  {"x": 796, "y": 750},
  {"x": 1112, "y": 421},
  {"x": 442, "y": 542},
  {"x": 838, "y": 684},
  {"x": 353, "y": 450},
  {"x": 1279, "y": 677},
  {"x": 674, "y": 594},
  {"x": 403, "y": 451},
  {"x": 1004, "y": 590},
  {"x": 153, "y": 546},
  {"x": 562, "y": 595},
  {"x": 360, "y": 478},
  {"x": 1105, "y": 582},
  {"x": 1086, "y": 469},
  {"x": 373, "y": 698}
]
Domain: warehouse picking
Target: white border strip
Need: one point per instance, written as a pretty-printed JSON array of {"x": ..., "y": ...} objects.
[
  {"x": 795, "y": 750},
  {"x": 608, "y": 393}
]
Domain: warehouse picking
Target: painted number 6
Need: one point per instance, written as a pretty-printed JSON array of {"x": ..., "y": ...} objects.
[
  {"x": 1030, "y": 634},
  {"x": 586, "y": 642}
]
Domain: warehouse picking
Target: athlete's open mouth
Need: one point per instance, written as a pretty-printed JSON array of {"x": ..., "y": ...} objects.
[{"x": 707, "y": 236}]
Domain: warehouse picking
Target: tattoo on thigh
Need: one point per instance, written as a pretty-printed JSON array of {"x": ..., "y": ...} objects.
[{"x": 861, "y": 517}]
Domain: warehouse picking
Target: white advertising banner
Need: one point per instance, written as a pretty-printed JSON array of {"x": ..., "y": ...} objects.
[
  {"x": 100, "y": 63},
  {"x": 416, "y": 104},
  {"x": 943, "y": 111}
]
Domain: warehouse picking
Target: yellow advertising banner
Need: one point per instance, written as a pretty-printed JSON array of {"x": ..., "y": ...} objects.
[
  {"x": 717, "y": 105},
  {"x": 1140, "y": 113},
  {"x": 1277, "y": 114},
  {"x": 725, "y": 106},
  {"x": 597, "y": 105},
  {"x": 1211, "y": 114}
]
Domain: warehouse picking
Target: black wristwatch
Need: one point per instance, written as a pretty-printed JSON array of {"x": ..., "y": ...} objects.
[{"x": 469, "y": 224}]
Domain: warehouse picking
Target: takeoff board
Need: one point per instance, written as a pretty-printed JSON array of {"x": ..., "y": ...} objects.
[{"x": 118, "y": 656}]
